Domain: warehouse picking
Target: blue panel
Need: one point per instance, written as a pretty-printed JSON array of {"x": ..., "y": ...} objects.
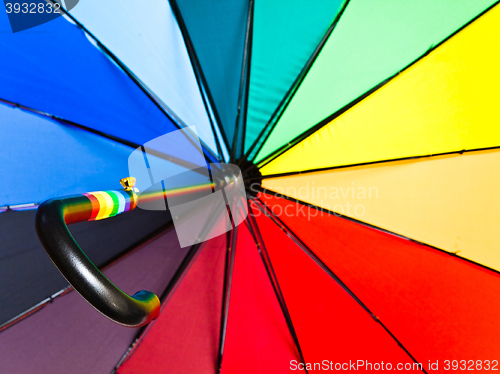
[
  {"x": 40, "y": 159},
  {"x": 54, "y": 68},
  {"x": 145, "y": 37}
]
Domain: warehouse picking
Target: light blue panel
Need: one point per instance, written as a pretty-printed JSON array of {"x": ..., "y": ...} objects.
[
  {"x": 145, "y": 37},
  {"x": 55, "y": 69},
  {"x": 41, "y": 159}
]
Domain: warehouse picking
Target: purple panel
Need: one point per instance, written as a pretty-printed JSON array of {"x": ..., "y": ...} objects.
[{"x": 70, "y": 336}]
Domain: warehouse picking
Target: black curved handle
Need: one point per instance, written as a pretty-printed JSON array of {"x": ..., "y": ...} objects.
[{"x": 51, "y": 222}]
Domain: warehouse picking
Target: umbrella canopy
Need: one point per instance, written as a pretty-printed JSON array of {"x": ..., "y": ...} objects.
[{"x": 363, "y": 133}]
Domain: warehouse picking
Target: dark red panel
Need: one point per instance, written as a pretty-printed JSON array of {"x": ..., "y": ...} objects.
[
  {"x": 257, "y": 338},
  {"x": 439, "y": 306},
  {"x": 329, "y": 322},
  {"x": 185, "y": 338}
]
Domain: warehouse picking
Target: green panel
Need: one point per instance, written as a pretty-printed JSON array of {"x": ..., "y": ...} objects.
[
  {"x": 372, "y": 41},
  {"x": 285, "y": 34}
]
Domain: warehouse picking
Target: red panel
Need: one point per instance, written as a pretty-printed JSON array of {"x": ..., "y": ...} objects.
[
  {"x": 257, "y": 339},
  {"x": 185, "y": 338},
  {"x": 330, "y": 324},
  {"x": 439, "y": 306}
]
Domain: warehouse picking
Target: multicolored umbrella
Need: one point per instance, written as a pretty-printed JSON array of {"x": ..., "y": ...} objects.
[{"x": 366, "y": 138}]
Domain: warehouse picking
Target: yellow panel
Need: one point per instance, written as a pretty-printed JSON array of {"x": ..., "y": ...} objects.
[
  {"x": 448, "y": 101},
  {"x": 451, "y": 202}
]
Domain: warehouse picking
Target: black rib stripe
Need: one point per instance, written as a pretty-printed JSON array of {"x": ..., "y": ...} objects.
[
  {"x": 247, "y": 83},
  {"x": 242, "y": 80},
  {"x": 462, "y": 151},
  {"x": 227, "y": 295},
  {"x": 116, "y": 139}
]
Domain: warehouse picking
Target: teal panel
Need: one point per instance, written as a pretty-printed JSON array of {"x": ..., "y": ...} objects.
[
  {"x": 285, "y": 35},
  {"x": 217, "y": 31}
]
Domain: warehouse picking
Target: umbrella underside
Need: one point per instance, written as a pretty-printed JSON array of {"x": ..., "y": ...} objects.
[{"x": 365, "y": 138}]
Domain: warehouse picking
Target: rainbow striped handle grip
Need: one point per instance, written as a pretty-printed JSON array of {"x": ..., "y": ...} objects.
[{"x": 52, "y": 218}]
